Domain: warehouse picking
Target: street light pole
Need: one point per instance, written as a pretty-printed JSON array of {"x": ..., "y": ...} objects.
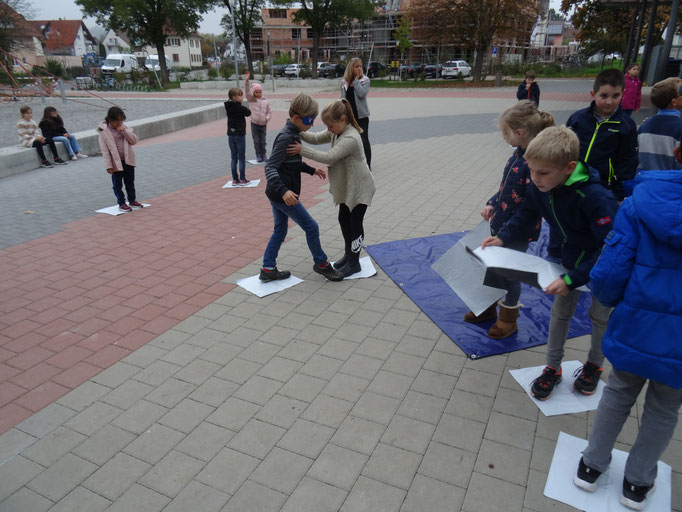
[
  {"x": 272, "y": 75},
  {"x": 234, "y": 43}
]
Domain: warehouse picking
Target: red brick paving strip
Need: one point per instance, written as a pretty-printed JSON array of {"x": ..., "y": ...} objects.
[{"x": 75, "y": 302}]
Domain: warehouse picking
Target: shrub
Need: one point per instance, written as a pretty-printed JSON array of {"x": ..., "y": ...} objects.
[
  {"x": 213, "y": 73},
  {"x": 54, "y": 67},
  {"x": 120, "y": 77}
]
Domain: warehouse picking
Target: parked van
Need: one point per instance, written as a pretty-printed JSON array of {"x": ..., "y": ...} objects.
[
  {"x": 152, "y": 63},
  {"x": 119, "y": 63}
]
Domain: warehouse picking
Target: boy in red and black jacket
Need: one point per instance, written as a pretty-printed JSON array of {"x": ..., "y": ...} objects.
[{"x": 568, "y": 195}]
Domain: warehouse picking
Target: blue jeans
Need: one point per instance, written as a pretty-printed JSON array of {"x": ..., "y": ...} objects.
[
  {"x": 71, "y": 144},
  {"x": 238, "y": 152},
  {"x": 281, "y": 214}
]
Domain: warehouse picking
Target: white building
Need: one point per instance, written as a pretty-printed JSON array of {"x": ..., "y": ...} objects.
[
  {"x": 183, "y": 53},
  {"x": 115, "y": 43}
]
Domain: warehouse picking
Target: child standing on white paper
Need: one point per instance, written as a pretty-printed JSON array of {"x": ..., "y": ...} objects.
[
  {"x": 640, "y": 273},
  {"x": 519, "y": 124},
  {"x": 350, "y": 181},
  {"x": 568, "y": 195},
  {"x": 260, "y": 116}
]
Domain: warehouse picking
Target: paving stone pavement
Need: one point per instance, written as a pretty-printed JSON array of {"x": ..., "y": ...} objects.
[{"x": 324, "y": 397}]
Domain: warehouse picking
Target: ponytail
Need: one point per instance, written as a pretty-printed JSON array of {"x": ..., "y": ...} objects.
[
  {"x": 525, "y": 115},
  {"x": 338, "y": 108}
]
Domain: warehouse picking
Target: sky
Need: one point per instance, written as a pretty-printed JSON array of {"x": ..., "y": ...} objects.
[{"x": 67, "y": 9}]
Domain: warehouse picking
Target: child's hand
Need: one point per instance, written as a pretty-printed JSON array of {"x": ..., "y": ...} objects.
[
  {"x": 40, "y": 139},
  {"x": 678, "y": 153},
  {"x": 290, "y": 199},
  {"x": 320, "y": 174},
  {"x": 67, "y": 135},
  {"x": 121, "y": 128},
  {"x": 247, "y": 75},
  {"x": 294, "y": 149},
  {"x": 492, "y": 241},
  {"x": 487, "y": 212},
  {"x": 111, "y": 171},
  {"x": 557, "y": 287}
]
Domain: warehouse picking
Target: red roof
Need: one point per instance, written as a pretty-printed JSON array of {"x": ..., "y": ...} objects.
[
  {"x": 58, "y": 34},
  {"x": 22, "y": 28}
]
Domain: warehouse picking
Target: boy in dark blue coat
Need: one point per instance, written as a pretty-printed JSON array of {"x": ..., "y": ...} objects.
[
  {"x": 568, "y": 195},
  {"x": 640, "y": 273},
  {"x": 529, "y": 89},
  {"x": 608, "y": 137}
]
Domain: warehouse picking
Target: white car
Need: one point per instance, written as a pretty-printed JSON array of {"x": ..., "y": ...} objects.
[
  {"x": 293, "y": 70},
  {"x": 152, "y": 63},
  {"x": 456, "y": 68}
]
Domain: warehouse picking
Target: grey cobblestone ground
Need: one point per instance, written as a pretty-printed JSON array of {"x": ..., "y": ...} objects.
[{"x": 325, "y": 397}]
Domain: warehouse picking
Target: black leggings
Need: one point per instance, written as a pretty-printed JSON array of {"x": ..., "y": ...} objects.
[
  {"x": 352, "y": 230},
  {"x": 41, "y": 153},
  {"x": 364, "y": 124}
]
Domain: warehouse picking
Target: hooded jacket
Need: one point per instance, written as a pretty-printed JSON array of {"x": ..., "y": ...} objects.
[
  {"x": 260, "y": 108},
  {"x": 107, "y": 144},
  {"x": 532, "y": 94},
  {"x": 610, "y": 146},
  {"x": 236, "y": 117},
  {"x": 52, "y": 127},
  {"x": 581, "y": 211},
  {"x": 640, "y": 273},
  {"x": 283, "y": 171}
]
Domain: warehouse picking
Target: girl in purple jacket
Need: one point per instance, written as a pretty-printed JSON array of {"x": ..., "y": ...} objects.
[{"x": 632, "y": 96}]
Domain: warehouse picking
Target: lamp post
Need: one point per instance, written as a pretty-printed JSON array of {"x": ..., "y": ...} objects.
[
  {"x": 234, "y": 43},
  {"x": 272, "y": 75}
]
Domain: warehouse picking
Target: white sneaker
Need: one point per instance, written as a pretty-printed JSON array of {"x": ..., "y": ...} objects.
[
  {"x": 74, "y": 157},
  {"x": 81, "y": 155}
]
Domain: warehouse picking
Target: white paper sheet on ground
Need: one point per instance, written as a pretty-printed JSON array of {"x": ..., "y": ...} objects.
[
  {"x": 522, "y": 266},
  {"x": 465, "y": 273},
  {"x": 252, "y": 184},
  {"x": 606, "y": 498},
  {"x": 115, "y": 210},
  {"x": 366, "y": 269},
  {"x": 255, "y": 162},
  {"x": 564, "y": 399},
  {"x": 261, "y": 289}
]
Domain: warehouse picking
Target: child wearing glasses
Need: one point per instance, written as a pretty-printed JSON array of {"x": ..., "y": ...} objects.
[{"x": 283, "y": 175}]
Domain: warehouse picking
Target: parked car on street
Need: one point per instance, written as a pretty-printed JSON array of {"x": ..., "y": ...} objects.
[
  {"x": 374, "y": 69},
  {"x": 456, "y": 68},
  {"x": 411, "y": 70},
  {"x": 278, "y": 69},
  {"x": 330, "y": 70},
  {"x": 293, "y": 70},
  {"x": 433, "y": 70}
]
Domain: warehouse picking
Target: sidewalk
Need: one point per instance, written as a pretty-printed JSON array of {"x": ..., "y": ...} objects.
[{"x": 143, "y": 379}]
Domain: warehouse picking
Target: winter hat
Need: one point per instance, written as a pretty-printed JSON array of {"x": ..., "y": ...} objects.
[{"x": 257, "y": 87}]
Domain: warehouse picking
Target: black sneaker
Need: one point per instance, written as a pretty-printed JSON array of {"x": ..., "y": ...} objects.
[
  {"x": 46, "y": 164},
  {"x": 543, "y": 386},
  {"x": 349, "y": 269},
  {"x": 273, "y": 275},
  {"x": 588, "y": 378},
  {"x": 341, "y": 262},
  {"x": 59, "y": 161},
  {"x": 586, "y": 478},
  {"x": 328, "y": 271},
  {"x": 634, "y": 496}
]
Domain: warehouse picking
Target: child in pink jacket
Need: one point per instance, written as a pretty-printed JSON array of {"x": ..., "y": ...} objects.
[
  {"x": 632, "y": 96},
  {"x": 115, "y": 141},
  {"x": 260, "y": 115}
]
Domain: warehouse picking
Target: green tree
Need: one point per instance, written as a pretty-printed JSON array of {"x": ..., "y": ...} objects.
[
  {"x": 148, "y": 22},
  {"x": 434, "y": 22},
  {"x": 322, "y": 14},
  {"x": 402, "y": 36},
  {"x": 246, "y": 17}
]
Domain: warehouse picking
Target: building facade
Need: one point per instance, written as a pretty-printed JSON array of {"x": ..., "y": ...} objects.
[{"x": 182, "y": 52}]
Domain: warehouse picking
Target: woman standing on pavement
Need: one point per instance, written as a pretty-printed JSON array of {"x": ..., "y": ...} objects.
[{"x": 354, "y": 88}]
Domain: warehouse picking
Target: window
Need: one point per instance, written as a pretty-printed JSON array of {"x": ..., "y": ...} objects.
[
  {"x": 176, "y": 57},
  {"x": 295, "y": 33},
  {"x": 309, "y": 33},
  {"x": 278, "y": 13},
  {"x": 173, "y": 41}
]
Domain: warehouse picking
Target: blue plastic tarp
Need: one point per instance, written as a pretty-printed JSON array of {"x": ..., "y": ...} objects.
[{"x": 408, "y": 264}]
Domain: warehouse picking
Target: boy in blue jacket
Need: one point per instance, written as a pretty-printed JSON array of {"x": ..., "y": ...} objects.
[
  {"x": 608, "y": 137},
  {"x": 568, "y": 195},
  {"x": 640, "y": 273}
]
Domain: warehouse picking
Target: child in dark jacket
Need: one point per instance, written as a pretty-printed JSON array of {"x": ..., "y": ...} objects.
[
  {"x": 283, "y": 173},
  {"x": 236, "y": 133},
  {"x": 53, "y": 130},
  {"x": 608, "y": 137},
  {"x": 529, "y": 89},
  {"x": 568, "y": 195},
  {"x": 640, "y": 273},
  {"x": 519, "y": 124}
]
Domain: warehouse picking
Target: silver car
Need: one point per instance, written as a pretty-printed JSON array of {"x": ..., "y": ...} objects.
[{"x": 456, "y": 68}]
